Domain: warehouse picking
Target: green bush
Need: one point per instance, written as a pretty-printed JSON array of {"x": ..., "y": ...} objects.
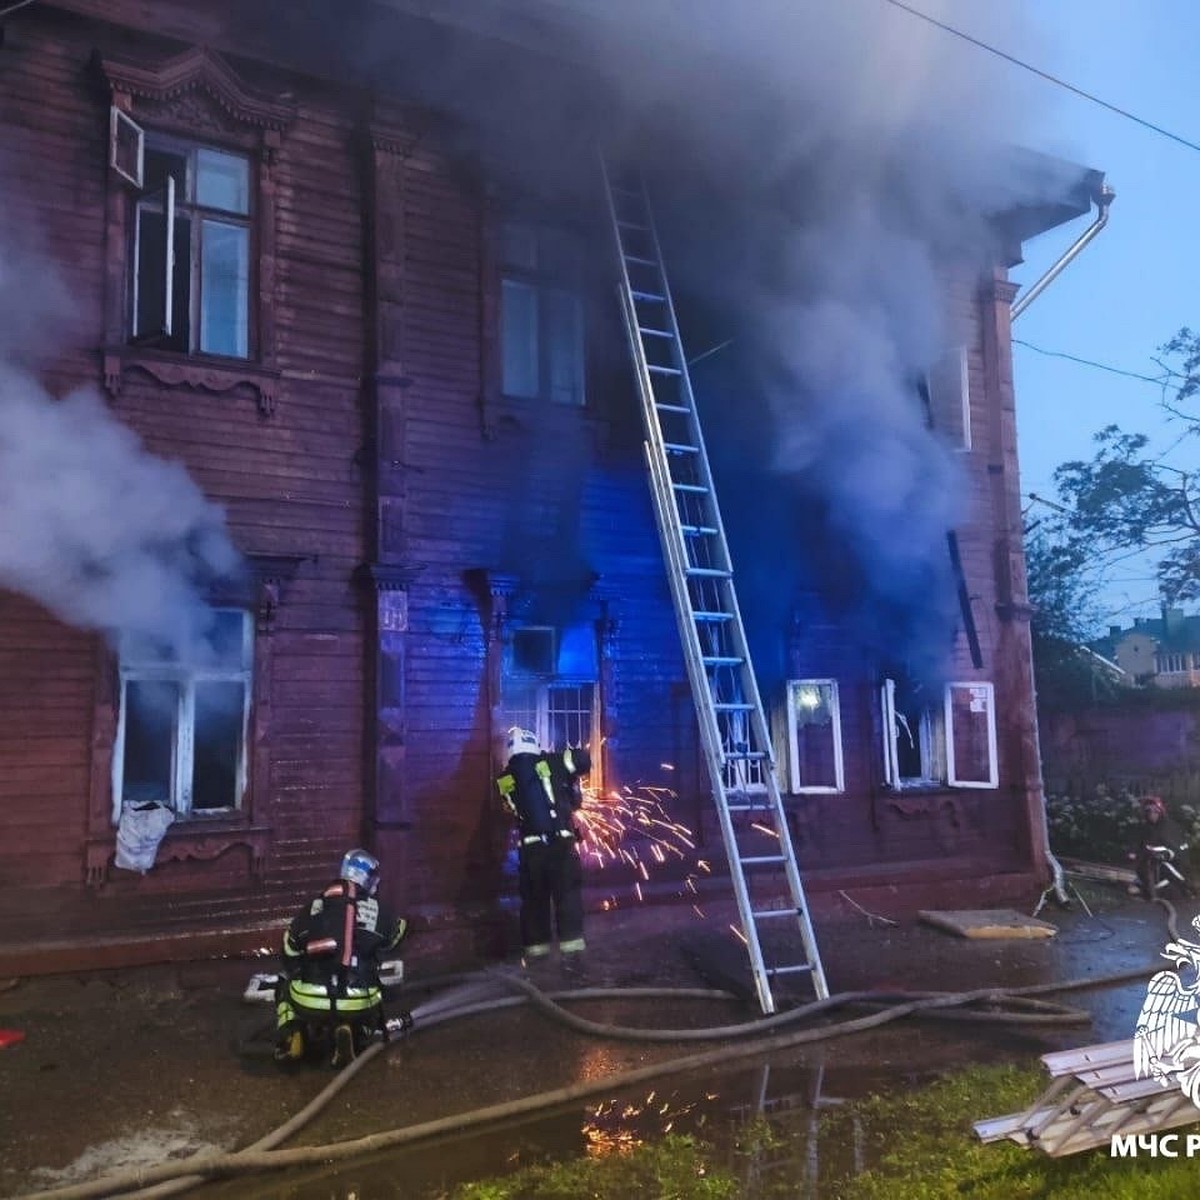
[{"x": 1102, "y": 825}]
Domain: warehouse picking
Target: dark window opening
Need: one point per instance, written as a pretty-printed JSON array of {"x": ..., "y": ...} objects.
[
  {"x": 542, "y": 334},
  {"x": 191, "y": 255}
]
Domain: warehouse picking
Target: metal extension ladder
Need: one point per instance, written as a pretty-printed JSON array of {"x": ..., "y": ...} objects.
[{"x": 733, "y": 726}]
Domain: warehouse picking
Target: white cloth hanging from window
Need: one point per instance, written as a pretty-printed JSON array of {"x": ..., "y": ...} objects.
[{"x": 139, "y": 833}]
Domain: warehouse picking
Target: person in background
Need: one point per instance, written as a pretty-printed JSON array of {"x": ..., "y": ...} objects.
[
  {"x": 542, "y": 791},
  {"x": 1162, "y": 853},
  {"x": 331, "y": 953}
]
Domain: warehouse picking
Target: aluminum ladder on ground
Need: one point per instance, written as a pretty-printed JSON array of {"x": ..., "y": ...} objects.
[
  {"x": 733, "y": 726},
  {"x": 1095, "y": 1095}
]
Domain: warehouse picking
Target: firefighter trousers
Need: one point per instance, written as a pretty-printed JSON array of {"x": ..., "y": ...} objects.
[{"x": 551, "y": 881}]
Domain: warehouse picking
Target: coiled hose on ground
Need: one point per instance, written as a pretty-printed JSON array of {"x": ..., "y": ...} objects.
[{"x": 472, "y": 998}]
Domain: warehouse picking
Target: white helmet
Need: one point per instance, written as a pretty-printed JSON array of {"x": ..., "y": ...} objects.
[
  {"x": 521, "y": 741},
  {"x": 361, "y": 867}
]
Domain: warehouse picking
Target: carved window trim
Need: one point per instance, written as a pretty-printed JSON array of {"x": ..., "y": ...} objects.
[
  {"x": 198, "y": 96},
  {"x": 261, "y": 592}
]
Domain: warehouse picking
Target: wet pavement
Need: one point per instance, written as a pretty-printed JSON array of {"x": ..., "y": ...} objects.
[{"x": 122, "y": 1068}]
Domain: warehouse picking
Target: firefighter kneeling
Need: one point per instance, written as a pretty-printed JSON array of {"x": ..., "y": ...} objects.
[
  {"x": 330, "y": 990},
  {"x": 542, "y": 792}
]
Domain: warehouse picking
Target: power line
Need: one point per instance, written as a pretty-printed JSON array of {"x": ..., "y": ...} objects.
[
  {"x": 1070, "y": 87},
  {"x": 1160, "y": 382}
]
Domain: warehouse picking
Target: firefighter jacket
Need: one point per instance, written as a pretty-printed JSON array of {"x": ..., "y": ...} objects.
[
  {"x": 542, "y": 791},
  {"x": 336, "y": 941}
]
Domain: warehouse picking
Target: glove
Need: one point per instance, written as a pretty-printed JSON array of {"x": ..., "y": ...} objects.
[
  {"x": 406, "y": 1020},
  {"x": 581, "y": 761}
]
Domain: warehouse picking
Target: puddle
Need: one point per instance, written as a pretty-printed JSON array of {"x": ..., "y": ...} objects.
[{"x": 762, "y": 1122}]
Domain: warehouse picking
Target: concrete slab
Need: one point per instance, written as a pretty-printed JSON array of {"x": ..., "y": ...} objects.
[{"x": 989, "y": 923}]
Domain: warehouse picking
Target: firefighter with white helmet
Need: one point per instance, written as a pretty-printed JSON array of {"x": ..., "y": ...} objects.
[
  {"x": 330, "y": 989},
  {"x": 542, "y": 792}
]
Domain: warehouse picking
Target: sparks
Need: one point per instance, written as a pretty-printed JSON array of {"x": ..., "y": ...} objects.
[{"x": 632, "y": 827}]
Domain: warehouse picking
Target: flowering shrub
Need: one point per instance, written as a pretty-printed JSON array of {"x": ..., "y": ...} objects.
[{"x": 1100, "y": 826}]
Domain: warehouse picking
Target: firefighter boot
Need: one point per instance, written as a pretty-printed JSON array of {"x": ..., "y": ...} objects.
[
  {"x": 289, "y": 1044},
  {"x": 343, "y": 1047}
]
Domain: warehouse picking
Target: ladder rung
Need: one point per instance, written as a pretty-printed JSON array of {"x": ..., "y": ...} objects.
[
  {"x": 696, "y": 488},
  {"x": 712, "y": 617},
  {"x": 633, "y": 225},
  {"x": 794, "y": 970},
  {"x": 646, "y": 297},
  {"x": 777, "y": 912},
  {"x": 739, "y": 808},
  {"x": 722, "y": 660},
  {"x": 708, "y": 573},
  {"x": 680, "y": 448},
  {"x": 657, "y": 370},
  {"x": 698, "y": 530},
  {"x": 744, "y": 755},
  {"x": 734, "y": 707},
  {"x": 640, "y": 260},
  {"x": 663, "y": 333},
  {"x": 625, "y": 191},
  {"x": 675, "y": 408},
  {"x": 763, "y": 860}
]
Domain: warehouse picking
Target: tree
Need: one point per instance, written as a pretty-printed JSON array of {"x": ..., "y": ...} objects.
[
  {"x": 1061, "y": 594},
  {"x": 1129, "y": 499}
]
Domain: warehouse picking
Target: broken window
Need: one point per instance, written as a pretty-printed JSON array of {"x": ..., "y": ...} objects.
[
  {"x": 914, "y": 741},
  {"x": 181, "y": 730},
  {"x": 190, "y": 262},
  {"x": 814, "y": 736},
  {"x": 947, "y": 384},
  {"x": 541, "y": 313},
  {"x": 932, "y": 742}
]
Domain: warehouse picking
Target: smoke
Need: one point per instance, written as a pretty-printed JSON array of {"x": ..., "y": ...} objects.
[
  {"x": 95, "y": 528},
  {"x": 828, "y": 164}
]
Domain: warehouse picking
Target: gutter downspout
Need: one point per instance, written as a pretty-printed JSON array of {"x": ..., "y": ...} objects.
[{"x": 1103, "y": 200}]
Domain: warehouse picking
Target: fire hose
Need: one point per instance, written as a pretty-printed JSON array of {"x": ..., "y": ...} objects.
[{"x": 171, "y": 1178}]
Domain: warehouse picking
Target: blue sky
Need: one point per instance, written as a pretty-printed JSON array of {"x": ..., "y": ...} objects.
[{"x": 1135, "y": 285}]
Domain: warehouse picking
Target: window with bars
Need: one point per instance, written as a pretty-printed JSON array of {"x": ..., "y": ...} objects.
[
  {"x": 1171, "y": 664},
  {"x": 181, "y": 729}
]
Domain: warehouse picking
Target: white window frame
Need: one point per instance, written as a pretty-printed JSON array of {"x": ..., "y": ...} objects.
[
  {"x": 980, "y": 692},
  {"x": 186, "y": 677},
  {"x": 961, "y": 435},
  {"x": 927, "y": 740},
  {"x": 119, "y": 121},
  {"x": 793, "y": 686},
  {"x": 173, "y": 204}
]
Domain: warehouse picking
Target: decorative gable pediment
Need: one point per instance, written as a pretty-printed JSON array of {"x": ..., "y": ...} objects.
[{"x": 199, "y": 90}]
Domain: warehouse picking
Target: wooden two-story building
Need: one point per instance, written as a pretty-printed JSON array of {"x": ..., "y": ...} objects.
[{"x": 396, "y": 361}]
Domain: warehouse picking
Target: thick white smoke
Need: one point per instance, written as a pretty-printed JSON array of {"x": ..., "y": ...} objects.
[
  {"x": 95, "y": 528},
  {"x": 854, "y": 152}
]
